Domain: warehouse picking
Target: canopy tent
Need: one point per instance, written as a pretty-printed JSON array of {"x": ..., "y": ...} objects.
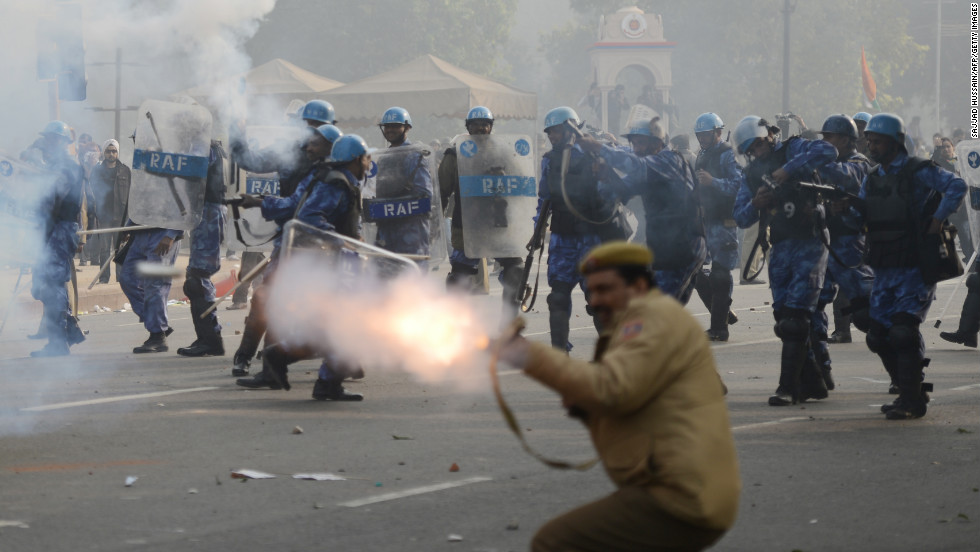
[
  {"x": 277, "y": 81},
  {"x": 428, "y": 86}
]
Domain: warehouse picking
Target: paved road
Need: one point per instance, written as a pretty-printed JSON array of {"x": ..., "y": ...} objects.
[{"x": 827, "y": 476}]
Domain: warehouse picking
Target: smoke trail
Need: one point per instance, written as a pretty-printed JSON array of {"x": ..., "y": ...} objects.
[{"x": 409, "y": 323}]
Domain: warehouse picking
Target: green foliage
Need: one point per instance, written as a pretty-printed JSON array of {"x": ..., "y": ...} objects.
[{"x": 728, "y": 57}]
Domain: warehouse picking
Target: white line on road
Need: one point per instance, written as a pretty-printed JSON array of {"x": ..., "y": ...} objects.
[
  {"x": 871, "y": 380},
  {"x": 966, "y": 387},
  {"x": 412, "y": 492},
  {"x": 773, "y": 422},
  {"x": 59, "y": 406}
]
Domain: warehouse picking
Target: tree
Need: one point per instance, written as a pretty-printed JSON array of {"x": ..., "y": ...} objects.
[{"x": 347, "y": 40}]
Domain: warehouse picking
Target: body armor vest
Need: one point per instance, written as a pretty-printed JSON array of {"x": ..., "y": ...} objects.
[
  {"x": 791, "y": 219},
  {"x": 350, "y": 222},
  {"x": 582, "y": 188},
  {"x": 717, "y": 206},
  {"x": 894, "y": 229}
]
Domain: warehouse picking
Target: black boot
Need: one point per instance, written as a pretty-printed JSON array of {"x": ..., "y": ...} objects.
[
  {"x": 912, "y": 399},
  {"x": 559, "y": 314},
  {"x": 251, "y": 336},
  {"x": 842, "y": 322},
  {"x": 273, "y": 374},
  {"x": 839, "y": 337},
  {"x": 157, "y": 343},
  {"x": 204, "y": 347},
  {"x": 324, "y": 390},
  {"x": 821, "y": 357},
  {"x": 791, "y": 366},
  {"x": 510, "y": 278},
  {"x": 813, "y": 381},
  {"x": 966, "y": 334},
  {"x": 719, "y": 318}
]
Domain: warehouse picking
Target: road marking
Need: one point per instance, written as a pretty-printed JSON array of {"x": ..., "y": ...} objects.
[
  {"x": 773, "y": 422},
  {"x": 59, "y": 406},
  {"x": 730, "y": 345},
  {"x": 966, "y": 387},
  {"x": 871, "y": 380},
  {"x": 413, "y": 492}
]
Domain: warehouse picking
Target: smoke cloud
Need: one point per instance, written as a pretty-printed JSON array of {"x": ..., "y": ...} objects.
[{"x": 408, "y": 323}]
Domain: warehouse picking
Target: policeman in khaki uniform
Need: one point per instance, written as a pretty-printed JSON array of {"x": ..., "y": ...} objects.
[{"x": 655, "y": 408}]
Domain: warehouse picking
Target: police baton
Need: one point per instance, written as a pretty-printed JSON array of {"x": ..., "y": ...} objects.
[{"x": 241, "y": 281}]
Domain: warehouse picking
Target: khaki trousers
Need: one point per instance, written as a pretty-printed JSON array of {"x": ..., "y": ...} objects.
[{"x": 627, "y": 520}]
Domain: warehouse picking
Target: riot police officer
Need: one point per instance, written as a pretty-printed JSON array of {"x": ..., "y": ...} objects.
[
  {"x": 718, "y": 180},
  {"x": 403, "y": 233},
  {"x": 479, "y": 121},
  {"x": 907, "y": 199},
  {"x": 847, "y": 275},
  {"x": 205, "y": 261},
  {"x": 798, "y": 260},
  {"x": 664, "y": 180},
  {"x": 60, "y": 208},
  {"x": 332, "y": 203},
  {"x": 861, "y": 119},
  {"x": 572, "y": 236},
  {"x": 280, "y": 210},
  {"x": 291, "y": 166}
]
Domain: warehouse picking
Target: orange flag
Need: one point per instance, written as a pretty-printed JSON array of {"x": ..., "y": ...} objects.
[{"x": 870, "y": 89}]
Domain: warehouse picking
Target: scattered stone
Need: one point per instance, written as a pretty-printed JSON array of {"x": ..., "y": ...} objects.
[
  {"x": 454, "y": 467},
  {"x": 297, "y": 430}
]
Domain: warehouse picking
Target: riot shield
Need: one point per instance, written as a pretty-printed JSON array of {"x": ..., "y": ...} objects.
[
  {"x": 398, "y": 207},
  {"x": 352, "y": 258},
  {"x": 498, "y": 193},
  {"x": 257, "y": 232},
  {"x": 968, "y": 163},
  {"x": 22, "y": 188},
  {"x": 170, "y": 165}
]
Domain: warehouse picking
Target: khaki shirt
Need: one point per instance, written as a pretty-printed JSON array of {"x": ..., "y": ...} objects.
[{"x": 655, "y": 408}]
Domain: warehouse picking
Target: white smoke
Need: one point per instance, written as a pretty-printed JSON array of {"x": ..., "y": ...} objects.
[{"x": 409, "y": 323}]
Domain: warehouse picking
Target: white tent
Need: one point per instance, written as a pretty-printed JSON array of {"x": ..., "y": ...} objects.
[
  {"x": 428, "y": 86},
  {"x": 277, "y": 80}
]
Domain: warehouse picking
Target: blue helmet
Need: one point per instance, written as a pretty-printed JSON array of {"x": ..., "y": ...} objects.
[
  {"x": 840, "y": 124},
  {"x": 330, "y": 132},
  {"x": 559, "y": 115},
  {"x": 706, "y": 122},
  {"x": 479, "y": 113},
  {"x": 888, "y": 125},
  {"x": 862, "y": 116},
  {"x": 396, "y": 115},
  {"x": 748, "y": 130},
  {"x": 319, "y": 111},
  {"x": 58, "y": 128},
  {"x": 640, "y": 127},
  {"x": 348, "y": 148}
]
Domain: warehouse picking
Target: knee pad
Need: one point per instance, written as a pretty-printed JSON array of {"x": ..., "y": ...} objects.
[
  {"x": 904, "y": 336},
  {"x": 973, "y": 282},
  {"x": 792, "y": 325},
  {"x": 860, "y": 311},
  {"x": 560, "y": 297},
  {"x": 193, "y": 287},
  {"x": 877, "y": 338}
]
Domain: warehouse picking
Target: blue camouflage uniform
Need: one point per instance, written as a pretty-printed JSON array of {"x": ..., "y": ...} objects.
[
  {"x": 569, "y": 244},
  {"x": 674, "y": 228},
  {"x": 59, "y": 209},
  {"x": 798, "y": 258},
  {"x": 854, "y": 278},
  {"x": 205, "y": 257},
  {"x": 407, "y": 234},
  {"x": 715, "y": 286},
  {"x": 148, "y": 296},
  {"x": 901, "y": 295}
]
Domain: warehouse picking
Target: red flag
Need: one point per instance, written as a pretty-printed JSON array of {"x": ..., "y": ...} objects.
[{"x": 870, "y": 89}]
